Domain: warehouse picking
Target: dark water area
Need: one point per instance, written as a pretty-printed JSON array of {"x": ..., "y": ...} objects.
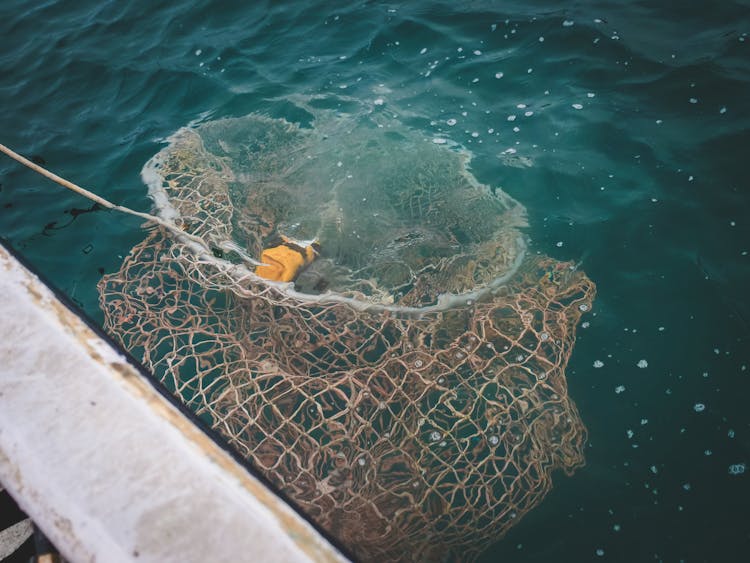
[{"x": 623, "y": 127}]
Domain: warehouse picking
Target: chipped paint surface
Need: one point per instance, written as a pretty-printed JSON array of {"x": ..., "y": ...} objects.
[
  {"x": 106, "y": 466},
  {"x": 13, "y": 537}
]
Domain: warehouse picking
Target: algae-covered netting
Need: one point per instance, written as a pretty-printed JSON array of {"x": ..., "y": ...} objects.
[{"x": 408, "y": 393}]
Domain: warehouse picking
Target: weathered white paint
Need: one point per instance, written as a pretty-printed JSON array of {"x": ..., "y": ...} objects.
[
  {"x": 12, "y": 538},
  {"x": 106, "y": 467}
]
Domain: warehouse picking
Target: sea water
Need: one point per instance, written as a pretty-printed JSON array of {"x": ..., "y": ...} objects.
[{"x": 622, "y": 127}]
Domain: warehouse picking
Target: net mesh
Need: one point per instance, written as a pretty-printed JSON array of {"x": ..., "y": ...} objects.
[{"x": 408, "y": 434}]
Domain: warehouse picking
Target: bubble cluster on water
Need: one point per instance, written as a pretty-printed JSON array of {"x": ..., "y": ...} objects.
[{"x": 737, "y": 469}]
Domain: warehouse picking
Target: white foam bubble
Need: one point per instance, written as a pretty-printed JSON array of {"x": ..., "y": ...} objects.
[
  {"x": 642, "y": 364},
  {"x": 499, "y": 75},
  {"x": 737, "y": 469},
  {"x": 577, "y": 106},
  {"x": 568, "y": 23},
  {"x": 598, "y": 364},
  {"x": 423, "y": 51},
  {"x": 699, "y": 407}
]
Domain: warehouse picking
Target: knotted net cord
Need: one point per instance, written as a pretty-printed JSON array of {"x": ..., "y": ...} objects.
[{"x": 409, "y": 439}]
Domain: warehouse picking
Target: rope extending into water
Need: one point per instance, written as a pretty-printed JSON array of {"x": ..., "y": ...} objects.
[{"x": 100, "y": 200}]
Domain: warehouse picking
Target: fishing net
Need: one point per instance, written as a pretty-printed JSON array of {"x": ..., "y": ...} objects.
[{"x": 408, "y": 392}]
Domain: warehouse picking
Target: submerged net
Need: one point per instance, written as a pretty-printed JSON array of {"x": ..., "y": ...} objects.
[{"x": 409, "y": 433}]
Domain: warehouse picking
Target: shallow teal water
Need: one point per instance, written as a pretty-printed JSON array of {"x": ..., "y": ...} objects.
[{"x": 645, "y": 184}]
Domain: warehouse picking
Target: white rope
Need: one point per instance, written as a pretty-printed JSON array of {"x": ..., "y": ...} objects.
[{"x": 100, "y": 200}]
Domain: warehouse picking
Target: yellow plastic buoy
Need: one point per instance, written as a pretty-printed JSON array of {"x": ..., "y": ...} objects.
[{"x": 284, "y": 262}]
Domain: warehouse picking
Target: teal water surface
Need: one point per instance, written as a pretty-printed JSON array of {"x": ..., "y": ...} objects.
[{"x": 622, "y": 127}]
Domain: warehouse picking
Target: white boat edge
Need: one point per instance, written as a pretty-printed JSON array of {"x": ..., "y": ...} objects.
[{"x": 106, "y": 466}]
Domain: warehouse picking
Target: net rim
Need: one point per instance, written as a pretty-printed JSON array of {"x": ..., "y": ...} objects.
[{"x": 240, "y": 273}]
